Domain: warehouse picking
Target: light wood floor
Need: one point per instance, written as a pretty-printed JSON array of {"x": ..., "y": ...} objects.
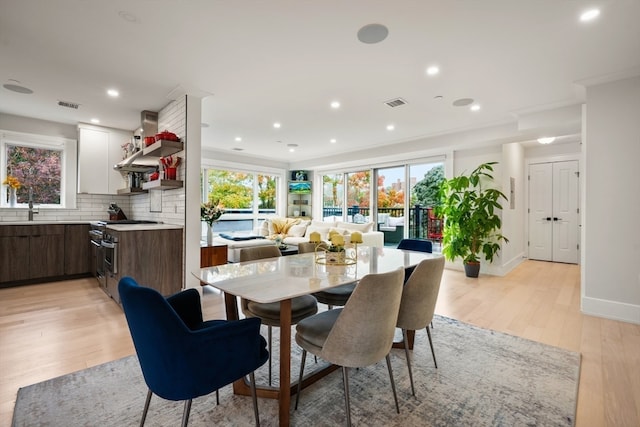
[{"x": 52, "y": 329}]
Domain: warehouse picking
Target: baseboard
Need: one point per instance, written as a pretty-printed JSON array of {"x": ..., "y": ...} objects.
[
  {"x": 490, "y": 269},
  {"x": 613, "y": 310}
]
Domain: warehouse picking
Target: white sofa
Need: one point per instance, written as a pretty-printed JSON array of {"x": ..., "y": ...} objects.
[{"x": 298, "y": 230}]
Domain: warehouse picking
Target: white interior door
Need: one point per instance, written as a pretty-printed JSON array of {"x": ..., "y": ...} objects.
[{"x": 553, "y": 211}]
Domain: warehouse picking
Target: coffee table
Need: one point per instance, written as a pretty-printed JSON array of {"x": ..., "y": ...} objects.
[{"x": 288, "y": 250}]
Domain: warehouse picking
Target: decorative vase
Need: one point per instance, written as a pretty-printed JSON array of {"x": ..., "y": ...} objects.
[
  {"x": 335, "y": 257},
  {"x": 13, "y": 197},
  {"x": 210, "y": 235}
]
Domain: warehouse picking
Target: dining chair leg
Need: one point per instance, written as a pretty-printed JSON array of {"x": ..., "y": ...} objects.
[
  {"x": 433, "y": 353},
  {"x": 217, "y": 397},
  {"x": 304, "y": 358},
  {"x": 345, "y": 381},
  {"x": 270, "y": 335},
  {"x": 185, "y": 414},
  {"x": 408, "y": 356},
  {"x": 146, "y": 407},
  {"x": 254, "y": 396},
  {"x": 393, "y": 383}
]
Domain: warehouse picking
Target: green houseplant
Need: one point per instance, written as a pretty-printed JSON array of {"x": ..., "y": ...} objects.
[{"x": 472, "y": 225}]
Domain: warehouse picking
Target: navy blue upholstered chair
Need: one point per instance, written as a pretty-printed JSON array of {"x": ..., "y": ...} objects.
[
  {"x": 419, "y": 245},
  {"x": 182, "y": 356}
]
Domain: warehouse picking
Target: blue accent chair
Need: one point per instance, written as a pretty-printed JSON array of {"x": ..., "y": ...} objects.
[
  {"x": 182, "y": 356},
  {"x": 419, "y": 245}
]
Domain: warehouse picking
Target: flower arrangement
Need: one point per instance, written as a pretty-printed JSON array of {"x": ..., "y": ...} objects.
[
  {"x": 11, "y": 182},
  {"x": 211, "y": 211}
]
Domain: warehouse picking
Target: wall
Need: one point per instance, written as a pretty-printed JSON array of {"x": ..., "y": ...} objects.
[
  {"x": 173, "y": 118},
  {"x": 611, "y": 230},
  {"x": 514, "y": 210}
]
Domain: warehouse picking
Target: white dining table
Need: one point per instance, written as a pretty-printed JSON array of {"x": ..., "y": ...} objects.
[{"x": 283, "y": 278}]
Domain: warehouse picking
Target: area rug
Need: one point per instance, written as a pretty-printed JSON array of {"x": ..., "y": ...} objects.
[{"x": 484, "y": 378}]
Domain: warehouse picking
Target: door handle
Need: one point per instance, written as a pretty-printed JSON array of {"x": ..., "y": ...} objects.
[
  {"x": 557, "y": 219},
  {"x": 547, "y": 218}
]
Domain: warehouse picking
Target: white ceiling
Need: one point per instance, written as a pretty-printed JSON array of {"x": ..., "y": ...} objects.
[{"x": 258, "y": 62}]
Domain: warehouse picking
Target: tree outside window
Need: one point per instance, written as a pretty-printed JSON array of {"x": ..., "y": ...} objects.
[{"x": 38, "y": 170}]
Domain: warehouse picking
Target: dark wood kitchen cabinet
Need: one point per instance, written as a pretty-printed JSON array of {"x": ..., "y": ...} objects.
[
  {"x": 43, "y": 252},
  {"x": 14, "y": 255},
  {"x": 152, "y": 257},
  {"x": 29, "y": 252},
  {"x": 77, "y": 250},
  {"x": 46, "y": 250}
]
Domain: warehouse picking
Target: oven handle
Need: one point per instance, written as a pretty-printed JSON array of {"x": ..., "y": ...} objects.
[
  {"x": 97, "y": 244},
  {"x": 108, "y": 245}
]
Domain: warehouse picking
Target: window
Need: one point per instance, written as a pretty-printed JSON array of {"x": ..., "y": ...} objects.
[
  {"x": 401, "y": 202},
  {"x": 245, "y": 196},
  {"x": 42, "y": 166}
]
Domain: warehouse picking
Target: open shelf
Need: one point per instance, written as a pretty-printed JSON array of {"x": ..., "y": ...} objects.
[
  {"x": 131, "y": 191},
  {"x": 162, "y": 184},
  {"x": 162, "y": 148}
]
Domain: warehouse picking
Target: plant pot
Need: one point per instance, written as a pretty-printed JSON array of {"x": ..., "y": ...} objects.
[{"x": 472, "y": 269}]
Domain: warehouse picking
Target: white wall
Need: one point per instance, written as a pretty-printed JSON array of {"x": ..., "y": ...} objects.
[
  {"x": 611, "y": 243},
  {"x": 513, "y": 218}
]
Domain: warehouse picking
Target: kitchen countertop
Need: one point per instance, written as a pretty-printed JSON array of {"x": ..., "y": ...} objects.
[
  {"x": 143, "y": 227},
  {"x": 45, "y": 222}
]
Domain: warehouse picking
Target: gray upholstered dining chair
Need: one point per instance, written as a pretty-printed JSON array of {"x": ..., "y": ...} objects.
[
  {"x": 337, "y": 296},
  {"x": 301, "y": 307},
  {"x": 419, "y": 297},
  {"x": 357, "y": 335}
]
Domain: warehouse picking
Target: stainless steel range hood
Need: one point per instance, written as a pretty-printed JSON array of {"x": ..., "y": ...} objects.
[{"x": 133, "y": 163}]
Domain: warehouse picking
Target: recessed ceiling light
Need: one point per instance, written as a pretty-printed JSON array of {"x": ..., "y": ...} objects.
[
  {"x": 113, "y": 93},
  {"x": 546, "y": 140},
  {"x": 237, "y": 149},
  {"x": 238, "y": 139},
  {"x": 463, "y": 102},
  {"x": 95, "y": 121},
  {"x": 438, "y": 97},
  {"x": 590, "y": 15},
  {"x": 276, "y": 125},
  {"x": 475, "y": 107},
  {"x": 433, "y": 70},
  {"x": 390, "y": 127},
  {"x": 291, "y": 150},
  {"x": 17, "y": 88},
  {"x": 127, "y": 16},
  {"x": 333, "y": 140},
  {"x": 373, "y": 33},
  {"x": 335, "y": 104}
]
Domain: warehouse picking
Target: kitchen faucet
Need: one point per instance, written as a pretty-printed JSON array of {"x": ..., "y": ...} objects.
[{"x": 31, "y": 212}]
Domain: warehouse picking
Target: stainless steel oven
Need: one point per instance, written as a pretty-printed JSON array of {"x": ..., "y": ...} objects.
[
  {"x": 95, "y": 236},
  {"x": 110, "y": 247}
]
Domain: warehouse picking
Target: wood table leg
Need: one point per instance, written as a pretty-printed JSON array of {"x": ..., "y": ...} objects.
[{"x": 284, "y": 398}]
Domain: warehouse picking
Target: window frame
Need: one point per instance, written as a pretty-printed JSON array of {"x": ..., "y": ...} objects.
[
  {"x": 68, "y": 166},
  {"x": 256, "y": 216}
]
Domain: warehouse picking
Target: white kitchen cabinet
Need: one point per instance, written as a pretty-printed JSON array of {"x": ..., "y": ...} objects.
[{"x": 98, "y": 150}]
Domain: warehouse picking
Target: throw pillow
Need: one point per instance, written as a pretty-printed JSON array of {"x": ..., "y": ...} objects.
[
  {"x": 324, "y": 231},
  {"x": 363, "y": 228},
  {"x": 297, "y": 230},
  {"x": 282, "y": 225}
]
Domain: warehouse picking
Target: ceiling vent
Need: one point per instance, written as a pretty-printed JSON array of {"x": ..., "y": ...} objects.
[
  {"x": 395, "y": 102},
  {"x": 68, "y": 104}
]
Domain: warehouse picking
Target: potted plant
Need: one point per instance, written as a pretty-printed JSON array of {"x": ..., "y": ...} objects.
[{"x": 472, "y": 225}]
